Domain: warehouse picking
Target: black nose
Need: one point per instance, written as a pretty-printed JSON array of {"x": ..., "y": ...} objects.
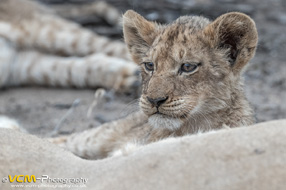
[{"x": 157, "y": 101}]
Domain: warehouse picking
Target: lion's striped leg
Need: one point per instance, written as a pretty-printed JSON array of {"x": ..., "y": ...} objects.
[
  {"x": 52, "y": 34},
  {"x": 98, "y": 8},
  {"x": 97, "y": 70}
]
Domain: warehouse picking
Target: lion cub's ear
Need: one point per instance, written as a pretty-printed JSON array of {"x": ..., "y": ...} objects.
[
  {"x": 139, "y": 34},
  {"x": 237, "y": 33}
]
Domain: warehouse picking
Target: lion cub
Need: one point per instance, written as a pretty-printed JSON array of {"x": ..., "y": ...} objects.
[{"x": 191, "y": 81}]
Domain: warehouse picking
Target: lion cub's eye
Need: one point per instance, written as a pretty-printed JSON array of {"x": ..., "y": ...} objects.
[
  {"x": 149, "y": 66},
  {"x": 188, "y": 68}
]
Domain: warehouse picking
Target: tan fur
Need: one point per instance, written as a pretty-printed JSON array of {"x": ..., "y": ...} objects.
[
  {"x": 105, "y": 140},
  {"x": 41, "y": 48},
  {"x": 209, "y": 98},
  {"x": 100, "y": 9},
  {"x": 245, "y": 158}
]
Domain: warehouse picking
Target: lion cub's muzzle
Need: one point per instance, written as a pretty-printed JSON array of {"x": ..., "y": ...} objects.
[
  {"x": 154, "y": 105},
  {"x": 157, "y": 101},
  {"x": 164, "y": 111},
  {"x": 160, "y": 114}
]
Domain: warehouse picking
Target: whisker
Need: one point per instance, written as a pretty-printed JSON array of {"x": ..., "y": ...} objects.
[
  {"x": 206, "y": 119},
  {"x": 131, "y": 107}
]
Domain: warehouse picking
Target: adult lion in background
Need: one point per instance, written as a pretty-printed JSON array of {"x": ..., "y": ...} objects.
[
  {"x": 191, "y": 82},
  {"x": 38, "y": 47}
]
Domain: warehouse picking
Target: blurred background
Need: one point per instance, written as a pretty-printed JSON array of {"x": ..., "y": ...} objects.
[{"x": 39, "y": 109}]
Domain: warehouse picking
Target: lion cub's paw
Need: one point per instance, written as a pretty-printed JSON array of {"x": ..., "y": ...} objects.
[
  {"x": 60, "y": 141},
  {"x": 126, "y": 150}
]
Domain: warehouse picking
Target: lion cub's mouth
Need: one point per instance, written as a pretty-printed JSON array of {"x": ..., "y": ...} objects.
[
  {"x": 163, "y": 115},
  {"x": 159, "y": 113}
]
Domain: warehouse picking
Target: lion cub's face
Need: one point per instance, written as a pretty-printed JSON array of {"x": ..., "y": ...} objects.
[{"x": 190, "y": 66}]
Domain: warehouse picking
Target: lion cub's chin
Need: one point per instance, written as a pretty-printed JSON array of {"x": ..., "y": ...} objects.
[{"x": 162, "y": 121}]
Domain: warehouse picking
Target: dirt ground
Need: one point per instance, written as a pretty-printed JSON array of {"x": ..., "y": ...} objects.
[{"x": 40, "y": 110}]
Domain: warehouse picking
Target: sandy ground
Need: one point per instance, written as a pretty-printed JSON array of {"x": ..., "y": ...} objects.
[{"x": 40, "y": 110}]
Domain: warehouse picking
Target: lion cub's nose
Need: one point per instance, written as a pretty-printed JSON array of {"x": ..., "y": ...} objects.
[{"x": 157, "y": 101}]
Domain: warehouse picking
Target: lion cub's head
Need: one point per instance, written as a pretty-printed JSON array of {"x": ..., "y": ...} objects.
[{"x": 191, "y": 66}]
